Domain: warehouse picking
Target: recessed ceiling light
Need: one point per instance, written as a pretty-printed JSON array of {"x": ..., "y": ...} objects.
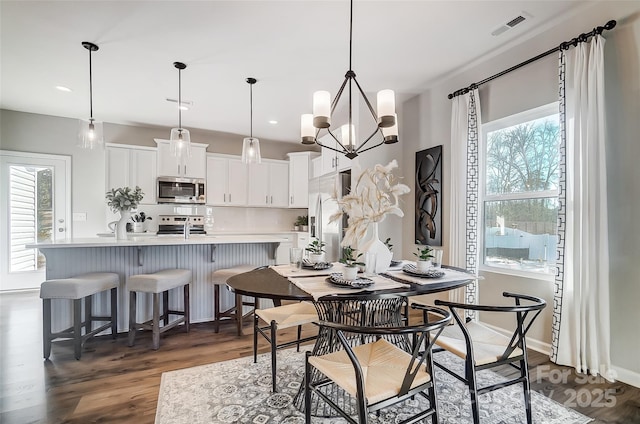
[
  {"x": 273, "y": 122},
  {"x": 63, "y": 88}
]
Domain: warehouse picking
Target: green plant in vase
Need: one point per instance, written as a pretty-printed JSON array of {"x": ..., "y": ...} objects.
[
  {"x": 350, "y": 263},
  {"x": 424, "y": 255},
  {"x": 316, "y": 251}
]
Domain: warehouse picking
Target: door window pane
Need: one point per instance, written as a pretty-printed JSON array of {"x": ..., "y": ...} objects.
[{"x": 30, "y": 215}]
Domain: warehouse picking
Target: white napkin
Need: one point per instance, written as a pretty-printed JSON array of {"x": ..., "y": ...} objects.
[
  {"x": 449, "y": 275},
  {"x": 291, "y": 271},
  {"x": 318, "y": 286}
]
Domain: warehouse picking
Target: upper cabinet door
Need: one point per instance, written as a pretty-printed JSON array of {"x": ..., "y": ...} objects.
[
  {"x": 259, "y": 184},
  {"x": 299, "y": 180},
  {"x": 194, "y": 166},
  {"x": 216, "y": 181},
  {"x": 279, "y": 185},
  {"x": 237, "y": 183}
]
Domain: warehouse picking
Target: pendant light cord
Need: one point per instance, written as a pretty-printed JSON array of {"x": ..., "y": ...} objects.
[
  {"x": 350, "y": 32},
  {"x": 179, "y": 99},
  {"x": 251, "y": 111},
  {"x": 90, "y": 89}
]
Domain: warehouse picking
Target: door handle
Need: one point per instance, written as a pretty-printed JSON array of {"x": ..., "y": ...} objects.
[
  {"x": 266, "y": 199},
  {"x": 224, "y": 200},
  {"x": 292, "y": 200},
  {"x": 178, "y": 169},
  {"x": 185, "y": 170},
  {"x": 272, "y": 200},
  {"x": 229, "y": 197}
]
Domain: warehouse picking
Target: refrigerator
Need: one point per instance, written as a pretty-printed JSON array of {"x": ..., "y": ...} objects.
[{"x": 322, "y": 204}]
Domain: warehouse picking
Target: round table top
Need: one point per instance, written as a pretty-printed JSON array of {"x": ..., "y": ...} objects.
[{"x": 268, "y": 284}]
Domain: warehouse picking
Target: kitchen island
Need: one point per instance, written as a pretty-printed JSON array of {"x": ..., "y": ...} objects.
[{"x": 143, "y": 255}]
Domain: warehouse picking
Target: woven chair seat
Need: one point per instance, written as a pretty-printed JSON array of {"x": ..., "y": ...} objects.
[
  {"x": 383, "y": 364},
  {"x": 290, "y": 315},
  {"x": 488, "y": 345}
]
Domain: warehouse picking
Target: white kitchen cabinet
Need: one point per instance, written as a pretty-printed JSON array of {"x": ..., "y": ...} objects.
[
  {"x": 226, "y": 181},
  {"x": 194, "y": 166},
  {"x": 130, "y": 166},
  {"x": 299, "y": 167},
  {"x": 269, "y": 184},
  {"x": 333, "y": 161}
]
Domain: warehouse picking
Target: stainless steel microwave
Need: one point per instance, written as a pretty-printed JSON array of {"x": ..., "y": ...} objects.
[{"x": 181, "y": 190}]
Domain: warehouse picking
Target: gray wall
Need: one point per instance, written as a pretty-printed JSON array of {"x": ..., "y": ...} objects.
[{"x": 426, "y": 123}]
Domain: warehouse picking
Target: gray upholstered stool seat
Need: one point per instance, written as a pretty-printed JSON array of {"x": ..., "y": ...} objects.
[
  {"x": 157, "y": 283},
  {"x": 77, "y": 288},
  {"x": 219, "y": 278}
]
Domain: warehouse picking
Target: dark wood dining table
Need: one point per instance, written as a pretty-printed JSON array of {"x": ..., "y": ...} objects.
[{"x": 266, "y": 283}]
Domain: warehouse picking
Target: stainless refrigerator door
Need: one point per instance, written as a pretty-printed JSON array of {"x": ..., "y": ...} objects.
[{"x": 321, "y": 199}]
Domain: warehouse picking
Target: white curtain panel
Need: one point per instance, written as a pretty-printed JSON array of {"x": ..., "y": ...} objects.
[
  {"x": 463, "y": 228},
  {"x": 581, "y": 313}
]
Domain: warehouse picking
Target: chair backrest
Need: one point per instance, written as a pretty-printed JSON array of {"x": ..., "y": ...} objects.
[{"x": 526, "y": 314}]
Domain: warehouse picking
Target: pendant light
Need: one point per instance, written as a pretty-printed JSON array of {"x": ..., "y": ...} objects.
[
  {"x": 180, "y": 137},
  {"x": 251, "y": 145},
  {"x": 90, "y": 133},
  {"x": 385, "y": 118}
]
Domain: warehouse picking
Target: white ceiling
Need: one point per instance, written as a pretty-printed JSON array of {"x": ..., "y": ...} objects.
[{"x": 293, "y": 48}]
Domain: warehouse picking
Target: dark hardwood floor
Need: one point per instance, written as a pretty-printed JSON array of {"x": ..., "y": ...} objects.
[{"x": 113, "y": 383}]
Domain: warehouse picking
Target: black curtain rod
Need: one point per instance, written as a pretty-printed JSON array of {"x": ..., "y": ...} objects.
[{"x": 563, "y": 46}]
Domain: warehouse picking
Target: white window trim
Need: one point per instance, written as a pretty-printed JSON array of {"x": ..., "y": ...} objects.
[{"x": 528, "y": 115}]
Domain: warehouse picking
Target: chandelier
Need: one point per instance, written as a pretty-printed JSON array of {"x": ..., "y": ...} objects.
[
  {"x": 311, "y": 125},
  {"x": 251, "y": 145},
  {"x": 90, "y": 134},
  {"x": 180, "y": 137}
]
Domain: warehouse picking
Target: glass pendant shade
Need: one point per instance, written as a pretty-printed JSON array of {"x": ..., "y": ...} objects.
[
  {"x": 180, "y": 142},
  {"x": 90, "y": 134},
  {"x": 251, "y": 150}
]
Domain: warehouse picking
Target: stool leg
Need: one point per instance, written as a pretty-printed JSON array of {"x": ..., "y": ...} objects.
[
  {"x": 298, "y": 341},
  {"x": 187, "y": 307},
  {"x": 132, "y": 318},
  {"x": 114, "y": 312},
  {"x": 165, "y": 306},
  {"x": 77, "y": 327},
  {"x": 88, "y": 323},
  {"x": 255, "y": 338},
  {"x": 216, "y": 308},
  {"x": 46, "y": 327},
  {"x": 155, "y": 333}
]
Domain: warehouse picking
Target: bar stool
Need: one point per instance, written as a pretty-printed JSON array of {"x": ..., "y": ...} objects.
[
  {"x": 77, "y": 288},
  {"x": 159, "y": 282},
  {"x": 219, "y": 278}
]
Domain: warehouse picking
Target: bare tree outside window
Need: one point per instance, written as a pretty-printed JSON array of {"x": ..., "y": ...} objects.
[{"x": 520, "y": 200}]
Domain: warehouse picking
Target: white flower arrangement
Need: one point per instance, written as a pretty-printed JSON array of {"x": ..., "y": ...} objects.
[
  {"x": 124, "y": 198},
  {"x": 374, "y": 196}
]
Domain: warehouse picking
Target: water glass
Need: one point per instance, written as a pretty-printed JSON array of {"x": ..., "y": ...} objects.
[
  {"x": 295, "y": 258},
  {"x": 437, "y": 258},
  {"x": 369, "y": 264}
]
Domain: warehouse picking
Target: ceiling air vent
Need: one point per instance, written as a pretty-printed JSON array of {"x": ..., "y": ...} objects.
[{"x": 512, "y": 23}]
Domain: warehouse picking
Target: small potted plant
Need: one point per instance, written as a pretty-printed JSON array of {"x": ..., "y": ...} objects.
[
  {"x": 316, "y": 251},
  {"x": 350, "y": 268},
  {"x": 302, "y": 223},
  {"x": 424, "y": 256}
]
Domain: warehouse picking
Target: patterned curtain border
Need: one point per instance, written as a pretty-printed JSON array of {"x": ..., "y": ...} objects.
[
  {"x": 562, "y": 212},
  {"x": 472, "y": 201}
]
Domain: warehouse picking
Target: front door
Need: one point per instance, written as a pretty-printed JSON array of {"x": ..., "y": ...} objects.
[{"x": 34, "y": 207}]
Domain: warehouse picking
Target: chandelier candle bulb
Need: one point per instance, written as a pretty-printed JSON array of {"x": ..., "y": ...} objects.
[
  {"x": 307, "y": 131},
  {"x": 321, "y": 109},
  {"x": 386, "y": 108},
  {"x": 348, "y": 139}
]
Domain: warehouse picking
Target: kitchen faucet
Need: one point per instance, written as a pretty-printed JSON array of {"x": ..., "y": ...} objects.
[{"x": 187, "y": 228}]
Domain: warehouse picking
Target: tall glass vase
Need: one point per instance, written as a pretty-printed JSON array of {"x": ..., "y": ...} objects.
[
  {"x": 121, "y": 225},
  {"x": 375, "y": 245}
]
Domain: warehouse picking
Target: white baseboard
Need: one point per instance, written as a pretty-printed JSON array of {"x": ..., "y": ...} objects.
[
  {"x": 534, "y": 344},
  {"x": 627, "y": 376}
]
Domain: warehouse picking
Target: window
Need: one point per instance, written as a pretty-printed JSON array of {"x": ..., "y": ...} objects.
[{"x": 520, "y": 199}]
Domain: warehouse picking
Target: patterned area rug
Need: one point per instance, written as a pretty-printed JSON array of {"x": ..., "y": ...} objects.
[{"x": 239, "y": 391}]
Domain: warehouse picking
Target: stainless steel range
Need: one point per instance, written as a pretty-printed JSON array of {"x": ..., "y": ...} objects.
[{"x": 174, "y": 224}]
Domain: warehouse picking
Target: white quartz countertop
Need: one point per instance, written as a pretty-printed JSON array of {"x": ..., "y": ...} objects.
[{"x": 161, "y": 241}]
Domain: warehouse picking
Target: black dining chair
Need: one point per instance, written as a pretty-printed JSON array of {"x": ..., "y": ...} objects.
[
  {"x": 379, "y": 366},
  {"x": 483, "y": 348}
]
